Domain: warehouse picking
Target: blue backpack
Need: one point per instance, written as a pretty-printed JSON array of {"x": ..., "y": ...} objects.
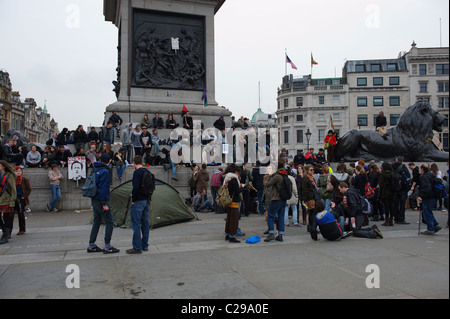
[{"x": 90, "y": 186}]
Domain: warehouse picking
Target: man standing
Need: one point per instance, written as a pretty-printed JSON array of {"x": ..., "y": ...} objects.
[
  {"x": 401, "y": 195},
  {"x": 100, "y": 204},
  {"x": 426, "y": 196},
  {"x": 127, "y": 142},
  {"x": 140, "y": 208},
  {"x": 277, "y": 206}
]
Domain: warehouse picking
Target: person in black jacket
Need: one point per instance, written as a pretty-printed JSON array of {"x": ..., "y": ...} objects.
[
  {"x": 220, "y": 124},
  {"x": 80, "y": 137},
  {"x": 235, "y": 188},
  {"x": 258, "y": 183},
  {"x": 426, "y": 196},
  {"x": 139, "y": 210},
  {"x": 62, "y": 156},
  {"x": 146, "y": 142},
  {"x": 352, "y": 200}
]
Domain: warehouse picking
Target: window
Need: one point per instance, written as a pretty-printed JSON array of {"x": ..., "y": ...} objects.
[
  {"x": 362, "y": 81},
  {"x": 442, "y": 86},
  {"x": 392, "y": 67},
  {"x": 441, "y": 68},
  {"x": 336, "y": 116},
  {"x": 443, "y": 102},
  {"x": 321, "y": 117},
  {"x": 321, "y": 135},
  {"x": 300, "y": 101},
  {"x": 423, "y": 87},
  {"x": 286, "y": 119},
  {"x": 321, "y": 100},
  {"x": 422, "y": 69},
  {"x": 375, "y": 67},
  {"x": 286, "y": 137},
  {"x": 336, "y": 99},
  {"x": 299, "y": 117},
  {"x": 394, "y": 119},
  {"x": 299, "y": 136},
  {"x": 377, "y": 81},
  {"x": 336, "y": 82},
  {"x": 378, "y": 101},
  {"x": 394, "y": 80},
  {"x": 362, "y": 101},
  {"x": 444, "y": 141},
  {"x": 362, "y": 120},
  {"x": 321, "y": 82},
  {"x": 360, "y": 68},
  {"x": 286, "y": 103},
  {"x": 394, "y": 101}
]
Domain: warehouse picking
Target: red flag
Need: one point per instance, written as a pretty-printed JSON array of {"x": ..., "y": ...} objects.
[{"x": 185, "y": 110}]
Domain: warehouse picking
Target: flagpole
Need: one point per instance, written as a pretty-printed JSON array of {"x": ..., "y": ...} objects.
[{"x": 285, "y": 61}]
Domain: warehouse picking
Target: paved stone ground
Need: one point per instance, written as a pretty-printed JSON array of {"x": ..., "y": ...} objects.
[{"x": 193, "y": 261}]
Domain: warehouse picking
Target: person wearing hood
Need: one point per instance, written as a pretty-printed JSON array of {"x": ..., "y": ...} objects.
[
  {"x": 127, "y": 142},
  {"x": 101, "y": 208},
  {"x": 386, "y": 194},
  {"x": 277, "y": 206},
  {"x": 202, "y": 179}
]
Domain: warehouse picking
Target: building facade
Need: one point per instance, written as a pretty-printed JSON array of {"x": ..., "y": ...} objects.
[
  {"x": 354, "y": 101},
  {"x": 376, "y": 86},
  {"x": 32, "y": 121},
  {"x": 309, "y": 105},
  {"x": 429, "y": 80}
]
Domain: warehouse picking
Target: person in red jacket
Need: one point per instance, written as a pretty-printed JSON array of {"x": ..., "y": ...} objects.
[{"x": 330, "y": 139}]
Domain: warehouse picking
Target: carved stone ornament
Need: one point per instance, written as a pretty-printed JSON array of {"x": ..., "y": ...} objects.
[{"x": 155, "y": 63}]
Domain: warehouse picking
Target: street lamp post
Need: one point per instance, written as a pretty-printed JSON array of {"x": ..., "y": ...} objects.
[{"x": 308, "y": 137}]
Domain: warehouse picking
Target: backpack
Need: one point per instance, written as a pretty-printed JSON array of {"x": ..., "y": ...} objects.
[
  {"x": 147, "y": 186},
  {"x": 438, "y": 188},
  {"x": 369, "y": 191},
  {"x": 396, "y": 181},
  {"x": 223, "y": 196},
  {"x": 285, "y": 192},
  {"x": 406, "y": 177},
  {"x": 366, "y": 206},
  {"x": 89, "y": 188}
]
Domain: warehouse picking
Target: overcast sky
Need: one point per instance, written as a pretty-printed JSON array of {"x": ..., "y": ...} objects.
[{"x": 64, "y": 53}]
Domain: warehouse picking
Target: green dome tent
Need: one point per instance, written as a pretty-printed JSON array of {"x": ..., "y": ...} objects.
[{"x": 167, "y": 206}]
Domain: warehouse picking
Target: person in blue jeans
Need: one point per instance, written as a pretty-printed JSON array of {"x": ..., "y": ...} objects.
[
  {"x": 277, "y": 206},
  {"x": 139, "y": 210},
  {"x": 426, "y": 196},
  {"x": 101, "y": 207},
  {"x": 55, "y": 178}
]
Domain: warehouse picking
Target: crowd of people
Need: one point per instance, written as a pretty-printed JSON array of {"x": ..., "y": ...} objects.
[{"x": 336, "y": 203}]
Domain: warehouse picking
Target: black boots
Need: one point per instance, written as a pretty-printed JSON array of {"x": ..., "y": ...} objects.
[{"x": 5, "y": 234}]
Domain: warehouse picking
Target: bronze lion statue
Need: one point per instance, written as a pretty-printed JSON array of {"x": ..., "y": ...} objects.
[{"x": 411, "y": 138}]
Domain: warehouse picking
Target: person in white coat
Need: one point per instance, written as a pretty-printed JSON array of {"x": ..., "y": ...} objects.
[{"x": 292, "y": 203}]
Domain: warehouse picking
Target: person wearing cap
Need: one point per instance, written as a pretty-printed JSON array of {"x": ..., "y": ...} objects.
[
  {"x": 101, "y": 209},
  {"x": 171, "y": 123},
  {"x": 220, "y": 124}
]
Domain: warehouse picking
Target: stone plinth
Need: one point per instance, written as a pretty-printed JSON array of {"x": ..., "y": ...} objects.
[{"x": 153, "y": 77}]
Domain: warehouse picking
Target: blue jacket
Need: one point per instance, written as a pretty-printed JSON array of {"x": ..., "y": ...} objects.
[
  {"x": 329, "y": 228},
  {"x": 102, "y": 179}
]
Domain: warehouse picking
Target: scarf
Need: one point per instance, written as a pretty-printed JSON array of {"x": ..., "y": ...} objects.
[{"x": 230, "y": 176}]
